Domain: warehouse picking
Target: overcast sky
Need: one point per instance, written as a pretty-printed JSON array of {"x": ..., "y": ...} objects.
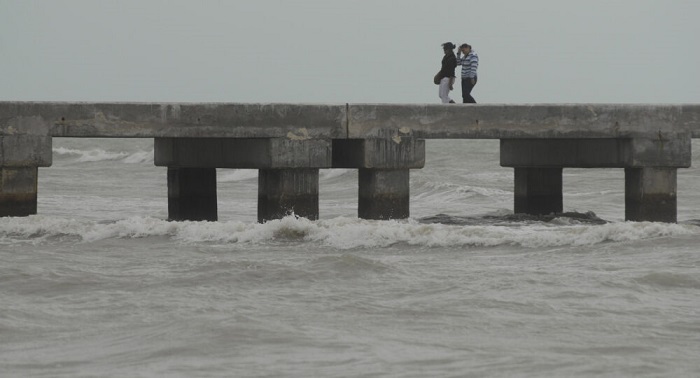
[{"x": 337, "y": 51}]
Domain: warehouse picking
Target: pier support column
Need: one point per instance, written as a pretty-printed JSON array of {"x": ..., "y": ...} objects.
[
  {"x": 538, "y": 191},
  {"x": 18, "y": 191},
  {"x": 282, "y": 192},
  {"x": 192, "y": 194},
  {"x": 384, "y": 166},
  {"x": 383, "y": 194},
  {"x": 650, "y": 194}
]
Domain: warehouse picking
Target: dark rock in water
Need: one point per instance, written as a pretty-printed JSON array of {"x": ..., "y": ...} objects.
[
  {"x": 588, "y": 217},
  {"x": 444, "y": 219},
  {"x": 508, "y": 220}
]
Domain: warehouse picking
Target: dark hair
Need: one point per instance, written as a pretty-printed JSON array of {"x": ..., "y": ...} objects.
[
  {"x": 465, "y": 45},
  {"x": 448, "y": 46}
]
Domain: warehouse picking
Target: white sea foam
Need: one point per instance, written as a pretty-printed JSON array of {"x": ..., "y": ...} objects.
[
  {"x": 98, "y": 155},
  {"x": 328, "y": 174},
  {"x": 341, "y": 232},
  {"x": 235, "y": 175},
  {"x": 139, "y": 157},
  {"x": 460, "y": 191}
]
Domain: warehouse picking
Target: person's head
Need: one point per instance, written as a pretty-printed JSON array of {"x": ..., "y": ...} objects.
[
  {"x": 448, "y": 47},
  {"x": 465, "y": 48}
]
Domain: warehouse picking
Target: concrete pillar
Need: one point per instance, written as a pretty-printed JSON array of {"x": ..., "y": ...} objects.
[
  {"x": 18, "y": 191},
  {"x": 383, "y": 194},
  {"x": 282, "y": 192},
  {"x": 383, "y": 165},
  {"x": 192, "y": 194},
  {"x": 20, "y": 155},
  {"x": 538, "y": 191},
  {"x": 650, "y": 194}
]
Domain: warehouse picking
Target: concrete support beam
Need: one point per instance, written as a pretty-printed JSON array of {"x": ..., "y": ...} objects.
[
  {"x": 579, "y": 153},
  {"x": 662, "y": 151},
  {"x": 538, "y": 191},
  {"x": 650, "y": 194},
  {"x": 282, "y": 192},
  {"x": 192, "y": 194},
  {"x": 18, "y": 191},
  {"x": 254, "y": 153},
  {"x": 665, "y": 150},
  {"x": 25, "y": 151},
  {"x": 392, "y": 153},
  {"x": 383, "y": 194}
]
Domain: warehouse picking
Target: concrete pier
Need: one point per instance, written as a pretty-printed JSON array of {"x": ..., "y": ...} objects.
[
  {"x": 192, "y": 194},
  {"x": 288, "y": 143},
  {"x": 282, "y": 192},
  {"x": 650, "y": 194},
  {"x": 538, "y": 191}
]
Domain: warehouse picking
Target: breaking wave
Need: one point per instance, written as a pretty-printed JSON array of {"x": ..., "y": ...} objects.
[
  {"x": 342, "y": 233},
  {"x": 98, "y": 155}
]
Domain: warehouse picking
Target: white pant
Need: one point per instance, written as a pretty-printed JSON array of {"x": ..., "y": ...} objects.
[{"x": 444, "y": 91}]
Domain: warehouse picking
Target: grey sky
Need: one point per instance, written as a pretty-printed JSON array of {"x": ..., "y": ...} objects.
[{"x": 333, "y": 51}]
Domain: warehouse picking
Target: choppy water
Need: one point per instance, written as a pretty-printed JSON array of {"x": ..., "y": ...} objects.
[{"x": 98, "y": 284}]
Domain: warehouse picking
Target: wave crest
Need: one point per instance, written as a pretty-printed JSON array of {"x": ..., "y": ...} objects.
[
  {"x": 340, "y": 233},
  {"x": 98, "y": 155}
]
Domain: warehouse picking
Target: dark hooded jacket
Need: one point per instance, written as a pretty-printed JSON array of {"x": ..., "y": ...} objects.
[{"x": 449, "y": 64}]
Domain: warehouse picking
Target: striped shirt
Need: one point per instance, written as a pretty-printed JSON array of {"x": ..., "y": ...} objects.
[{"x": 469, "y": 64}]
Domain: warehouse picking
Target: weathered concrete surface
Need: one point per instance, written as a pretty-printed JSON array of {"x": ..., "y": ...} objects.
[
  {"x": 18, "y": 191},
  {"x": 597, "y": 153},
  {"x": 538, "y": 191},
  {"x": 25, "y": 150},
  {"x": 396, "y": 153},
  {"x": 521, "y": 121},
  {"x": 666, "y": 151},
  {"x": 282, "y": 192},
  {"x": 650, "y": 194},
  {"x": 145, "y": 120},
  {"x": 236, "y": 120},
  {"x": 243, "y": 153},
  {"x": 15, "y": 121},
  {"x": 192, "y": 194},
  {"x": 383, "y": 194}
]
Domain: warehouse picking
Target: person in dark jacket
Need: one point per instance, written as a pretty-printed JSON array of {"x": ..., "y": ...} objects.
[{"x": 447, "y": 73}]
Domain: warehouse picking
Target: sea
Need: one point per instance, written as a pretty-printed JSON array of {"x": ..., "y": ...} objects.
[{"x": 100, "y": 284}]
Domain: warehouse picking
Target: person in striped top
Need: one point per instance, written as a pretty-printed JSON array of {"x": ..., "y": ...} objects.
[{"x": 469, "y": 63}]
